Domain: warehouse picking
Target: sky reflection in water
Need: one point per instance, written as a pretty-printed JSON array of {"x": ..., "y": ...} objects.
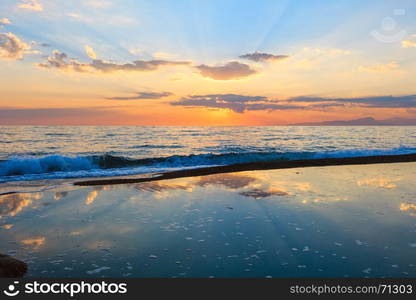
[{"x": 317, "y": 222}]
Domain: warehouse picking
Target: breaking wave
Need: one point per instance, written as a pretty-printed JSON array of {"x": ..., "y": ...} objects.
[{"x": 59, "y": 166}]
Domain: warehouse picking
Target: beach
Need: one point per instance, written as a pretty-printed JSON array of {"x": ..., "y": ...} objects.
[
  {"x": 143, "y": 141},
  {"x": 350, "y": 220}
]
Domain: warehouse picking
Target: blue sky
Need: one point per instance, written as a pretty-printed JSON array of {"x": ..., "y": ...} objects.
[{"x": 206, "y": 30}]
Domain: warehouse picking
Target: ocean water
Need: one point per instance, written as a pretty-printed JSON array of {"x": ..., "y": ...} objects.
[
  {"x": 356, "y": 221},
  {"x": 50, "y": 152}
]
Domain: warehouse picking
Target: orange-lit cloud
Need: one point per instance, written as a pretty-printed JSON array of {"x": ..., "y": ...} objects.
[
  {"x": 229, "y": 71},
  {"x": 4, "y": 21},
  {"x": 11, "y": 205},
  {"x": 90, "y": 52},
  {"x": 12, "y": 47},
  {"x": 408, "y": 44},
  {"x": 158, "y": 186},
  {"x": 391, "y": 66},
  {"x": 34, "y": 5},
  {"x": 379, "y": 182},
  {"x": 408, "y": 207},
  {"x": 35, "y": 243},
  {"x": 91, "y": 197}
]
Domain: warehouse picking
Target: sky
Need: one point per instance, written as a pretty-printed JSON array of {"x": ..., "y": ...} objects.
[{"x": 206, "y": 62}]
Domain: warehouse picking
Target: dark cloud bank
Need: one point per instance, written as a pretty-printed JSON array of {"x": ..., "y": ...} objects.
[
  {"x": 241, "y": 103},
  {"x": 61, "y": 61},
  {"x": 143, "y": 96},
  {"x": 261, "y": 57}
]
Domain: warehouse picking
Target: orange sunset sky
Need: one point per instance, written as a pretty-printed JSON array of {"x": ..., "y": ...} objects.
[{"x": 125, "y": 62}]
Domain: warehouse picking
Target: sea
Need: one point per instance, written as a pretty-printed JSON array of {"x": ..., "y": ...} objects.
[{"x": 55, "y": 152}]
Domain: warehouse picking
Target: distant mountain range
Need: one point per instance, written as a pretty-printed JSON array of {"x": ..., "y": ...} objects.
[{"x": 363, "y": 122}]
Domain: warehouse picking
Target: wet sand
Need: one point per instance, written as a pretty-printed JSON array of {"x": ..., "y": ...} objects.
[
  {"x": 332, "y": 221},
  {"x": 270, "y": 165}
]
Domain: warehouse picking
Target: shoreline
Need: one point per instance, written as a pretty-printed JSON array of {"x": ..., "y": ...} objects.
[
  {"x": 297, "y": 222},
  {"x": 270, "y": 165}
]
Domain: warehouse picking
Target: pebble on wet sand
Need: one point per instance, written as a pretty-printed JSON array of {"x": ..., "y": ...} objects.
[{"x": 11, "y": 267}]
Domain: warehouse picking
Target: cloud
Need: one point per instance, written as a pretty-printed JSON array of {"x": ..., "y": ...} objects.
[
  {"x": 13, "y": 204},
  {"x": 229, "y": 71},
  {"x": 98, "y": 4},
  {"x": 408, "y": 101},
  {"x": 258, "y": 193},
  {"x": 408, "y": 44},
  {"x": 241, "y": 103},
  {"x": 408, "y": 207},
  {"x": 11, "y": 47},
  {"x": 379, "y": 182},
  {"x": 74, "y": 15},
  {"x": 143, "y": 96},
  {"x": 35, "y": 243},
  {"x": 326, "y": 51},
  {"x": 90, "y": 52},
  {"x": 231, "y": 181},
  {"x": 4, "y": 21},
  {"x": 61, "y": 61},
  {"x": 109, "y": 20},
  {"x": 236, "y": 103},
  {"x": 136, "y": 66},
  {"x": 391, "y": 66},
  {"x": 34, "y": 5},
  {"x": 258, "y": 57},
  {"x": 91, "y": 197},
  {"x": 309, "y": 58},
  {"x": 61, "y": 116}
]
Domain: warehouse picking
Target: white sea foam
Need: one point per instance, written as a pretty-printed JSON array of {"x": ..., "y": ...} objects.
[{"x": 271, "y": 145}]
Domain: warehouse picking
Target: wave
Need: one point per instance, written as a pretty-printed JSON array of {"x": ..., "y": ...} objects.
[{"x": 60, "y": 166}]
